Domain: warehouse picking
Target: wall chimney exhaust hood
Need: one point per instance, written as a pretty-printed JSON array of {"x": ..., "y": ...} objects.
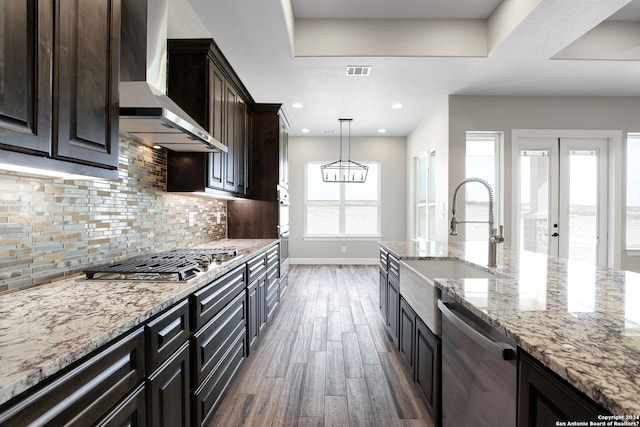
[{"x": 147, "y": 114}]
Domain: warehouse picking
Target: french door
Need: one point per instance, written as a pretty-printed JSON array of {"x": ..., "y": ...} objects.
[{"x": 561, "y": 197}]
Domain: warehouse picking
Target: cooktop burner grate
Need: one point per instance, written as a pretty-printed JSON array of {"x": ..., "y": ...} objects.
[{"x": 175, "y": 265}]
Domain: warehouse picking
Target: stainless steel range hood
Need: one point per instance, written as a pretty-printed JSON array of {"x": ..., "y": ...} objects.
[{"x": 146, "y": 112}]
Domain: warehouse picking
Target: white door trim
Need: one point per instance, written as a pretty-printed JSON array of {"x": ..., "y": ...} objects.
[{"x": 615, "y": 170}]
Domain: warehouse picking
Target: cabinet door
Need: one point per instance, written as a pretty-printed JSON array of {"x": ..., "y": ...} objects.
[
  {"x": 240, "y": 145},
  {"x": 544, "y": 398},
  {"x": 428, "y": 368},
  {"x": 283, "y": 160},
  {"x": 231, "y": 105},
  {"x": 87, "y": 67},
  {"x": 26, "y": 38},
  {"x": 383, "y": 295},
  {"x": 406, "y": 338},
  {"x": 169, "y": 391},
  {"x": 216, "y": 125},
  {"x": 252, "y": 316},
  {"x": 262, "y": 303},
  {"x": 393, "y": 307}
]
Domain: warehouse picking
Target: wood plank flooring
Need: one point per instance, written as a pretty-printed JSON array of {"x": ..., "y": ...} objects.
[{"x": 325, "y": 360}]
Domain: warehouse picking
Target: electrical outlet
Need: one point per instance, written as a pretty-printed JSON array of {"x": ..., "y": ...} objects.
[
  {"x": 192, "y": 219},
  {"x": 343, "y": 249}
]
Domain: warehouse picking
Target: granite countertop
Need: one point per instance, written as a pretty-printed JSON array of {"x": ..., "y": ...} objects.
[
  {"x": 579, "y": 320},
  {"x": 48, "y": 327}
]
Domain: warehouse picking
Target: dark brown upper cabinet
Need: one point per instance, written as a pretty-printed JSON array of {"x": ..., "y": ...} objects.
[
  {"x": 87, "y": 64},
  {"x": 268, "y": 154},
  {"x": 26, "y": 42},
  {"x": 59, "y": 65},
  {"x": 203, "y": 83}
]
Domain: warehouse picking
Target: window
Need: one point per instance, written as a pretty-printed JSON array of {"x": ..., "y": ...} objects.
[
  {"x": 342, "y": 209},
  {"x": 482, "y": 160},
  {"x": 425, "y": 198},
  {"x": 633, "y": 191}
]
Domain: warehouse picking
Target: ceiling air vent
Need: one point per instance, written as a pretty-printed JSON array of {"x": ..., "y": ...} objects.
[{"x": 358, "y": 70}]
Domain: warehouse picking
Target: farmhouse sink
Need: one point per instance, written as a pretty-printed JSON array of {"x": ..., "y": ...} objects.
[{"x": 418, "y": 289}]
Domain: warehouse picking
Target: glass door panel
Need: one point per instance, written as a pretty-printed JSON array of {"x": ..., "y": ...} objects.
[
  {"x": 534, "y": 200},
  {"x": 582, "y": 227}
]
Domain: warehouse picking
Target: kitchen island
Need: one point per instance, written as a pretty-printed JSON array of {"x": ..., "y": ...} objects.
[
  {"x": 47, "y": 328},
  {"x": 580, "y": 321}
]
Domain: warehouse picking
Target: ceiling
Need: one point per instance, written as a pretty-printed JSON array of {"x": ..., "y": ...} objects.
[{"x": 420, "y": 51}]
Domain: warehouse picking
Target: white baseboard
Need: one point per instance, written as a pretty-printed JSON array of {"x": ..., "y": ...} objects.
[{"x": 336, "y": 261}]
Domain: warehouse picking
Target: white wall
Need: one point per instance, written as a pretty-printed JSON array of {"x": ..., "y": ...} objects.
[
  {"x": 391, "y": 153},
  {"x": 503, "y": 114}
]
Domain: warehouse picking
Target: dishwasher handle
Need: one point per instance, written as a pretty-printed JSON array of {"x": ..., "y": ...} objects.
[{"x": 503, "y": 350}]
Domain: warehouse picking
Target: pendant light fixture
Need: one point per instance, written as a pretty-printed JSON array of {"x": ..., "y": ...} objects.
[{"x": 344, "y": 170}]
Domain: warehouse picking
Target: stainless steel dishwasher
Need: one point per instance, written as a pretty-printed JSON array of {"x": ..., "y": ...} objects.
[{"x": 479, "y": 372}]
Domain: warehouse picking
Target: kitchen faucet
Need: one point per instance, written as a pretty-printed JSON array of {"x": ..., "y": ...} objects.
[{"x": 494, "y": 237}]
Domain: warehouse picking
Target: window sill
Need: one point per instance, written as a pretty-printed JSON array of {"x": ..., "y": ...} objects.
[
  {"x": 633, "y": 252},
  {"x": 338, "y": 238}
]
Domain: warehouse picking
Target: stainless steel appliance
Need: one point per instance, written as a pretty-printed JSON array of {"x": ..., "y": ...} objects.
[
  {"x": 479, "y": 373},
  {"x": 146, "y": 113},
  {"x": 175, "y": 265},
  {"x": 283, "y": 229}
]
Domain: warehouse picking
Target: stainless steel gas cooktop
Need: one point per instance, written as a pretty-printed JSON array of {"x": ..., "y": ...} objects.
[{"x": 175, "y": 265}]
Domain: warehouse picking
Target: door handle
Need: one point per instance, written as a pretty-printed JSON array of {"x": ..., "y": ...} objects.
[{"x": 555, "y": 235}]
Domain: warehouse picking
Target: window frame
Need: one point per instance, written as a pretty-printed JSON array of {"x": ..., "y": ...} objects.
[
  {"x": 342, "y": 205},
  {"x": 498, "y": 185},
  {"x": 633, "y": 250},
  {"x": 429, "y": 203}
]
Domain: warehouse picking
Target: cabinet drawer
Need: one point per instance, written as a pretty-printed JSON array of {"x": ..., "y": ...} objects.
[
  {"x": 273, "y": 257},
  {"x": 130, "y": 412},
  {"x": 384, "y": 259},
  {"x": 217, "y": 336},
  {"x": 81, "y": 396},
  {"x": 256, "y": 267},
  {"x": 208, "y": 301},
  {"x": 273, "y": 299},
  {"x": 166, "y": 334},
  {"x": 394, "y": 268},
  {"x": 272, "y": 278},
  {"x": 208, "y": 397}
]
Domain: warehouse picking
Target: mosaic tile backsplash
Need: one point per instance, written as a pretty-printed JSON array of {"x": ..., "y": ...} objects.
[{"x": 52, "y": 228}]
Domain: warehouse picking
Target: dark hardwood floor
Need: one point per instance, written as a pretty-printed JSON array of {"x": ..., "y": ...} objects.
[{"x": 325, "y": 360}]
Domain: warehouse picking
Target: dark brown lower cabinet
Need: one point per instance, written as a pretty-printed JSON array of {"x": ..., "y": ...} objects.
[
  {"x": 393, "y": 307},
  {"x": 132, "y": 411},
  {"x": 83, "y": 395},
  {"x": 420, "y": 350},
  {"x": 209, "y": 395},
  {"x": 545, "y": 399},
  {"x": 406, "y": 339},
  {"x": 168, "y": 391},
  {"x": 428, "y": 368},
  {"x": 257, "y": 309},
  {"x": 383, "y": 295}
]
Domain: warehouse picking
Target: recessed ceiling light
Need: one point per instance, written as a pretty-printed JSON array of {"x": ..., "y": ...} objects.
[
  {"x": 156, "y": 147},
  {"x": 305, "y": 130},
  {"x": 358, "y": 70},
  {"x": 382, "y": 130},
  {"x": 297, "y": 105},
  {"x": 396, "y": 106}
]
